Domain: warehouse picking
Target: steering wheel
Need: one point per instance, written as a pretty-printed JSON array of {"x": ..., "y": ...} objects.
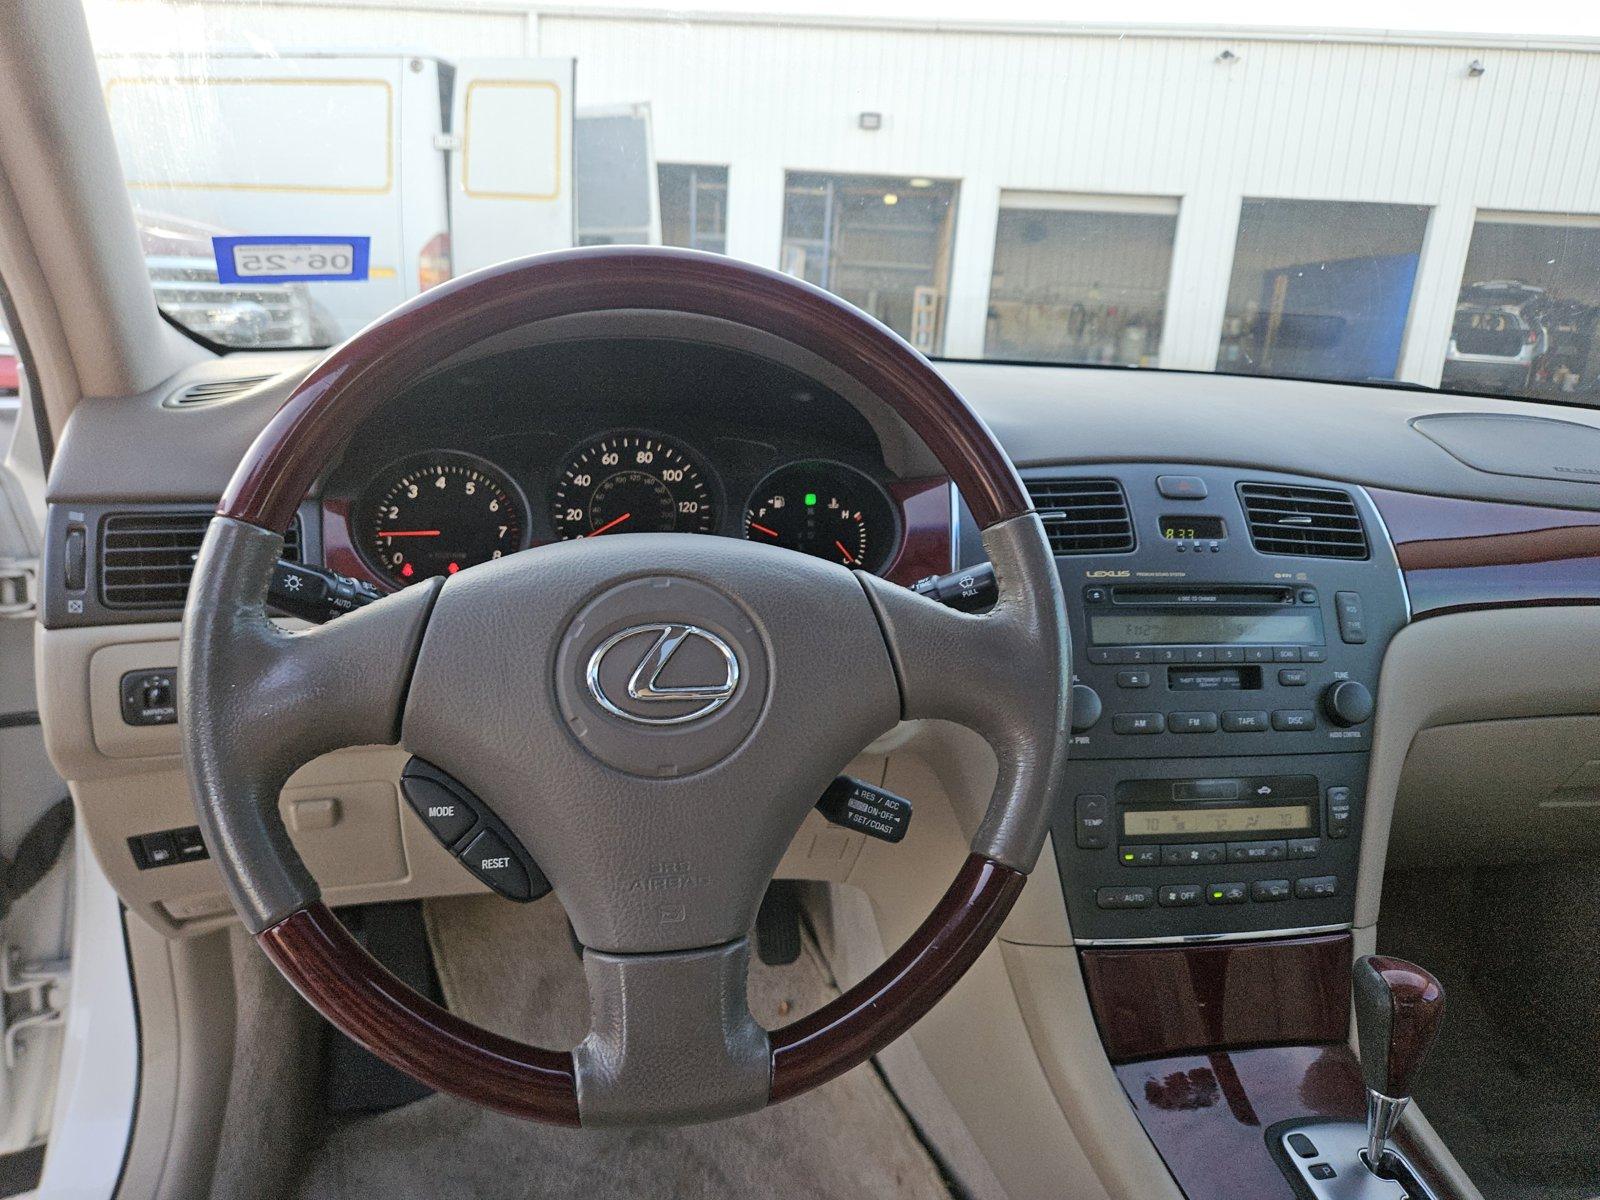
[{"x": 659, "y": 837}]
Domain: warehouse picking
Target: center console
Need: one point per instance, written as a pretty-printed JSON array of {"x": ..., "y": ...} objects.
[{"x": 1228, "y": 628}]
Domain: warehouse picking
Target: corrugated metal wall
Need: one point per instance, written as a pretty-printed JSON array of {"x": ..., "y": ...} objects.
[{"x": 1141, "y": 115}]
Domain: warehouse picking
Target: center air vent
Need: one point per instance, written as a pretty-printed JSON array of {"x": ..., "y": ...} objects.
[
  {"x": 1083, "y": 516},
  {"x": 1311, "y": 521},
  {"x": 213, "y": 391},
  {"x": 146, "y": 558}
]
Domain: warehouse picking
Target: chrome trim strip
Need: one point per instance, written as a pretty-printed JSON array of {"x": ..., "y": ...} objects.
[
  {"x": 1377, "y": 513},
  {"x": 955, "y": 527},
  {"x": 1200, "y": 939}
]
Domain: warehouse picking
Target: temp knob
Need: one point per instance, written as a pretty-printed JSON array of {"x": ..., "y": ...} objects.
[
  {"x": 1086, "y": 707},
  {"x": 1347, "y": 703}
]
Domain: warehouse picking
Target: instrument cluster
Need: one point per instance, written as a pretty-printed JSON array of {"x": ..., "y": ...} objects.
[{"x": 437, "y": 512}]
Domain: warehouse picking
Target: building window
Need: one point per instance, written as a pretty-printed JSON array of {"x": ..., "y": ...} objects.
[
  {"x": 1321, "y": 289},
  {"x": 880, "y": 242},
  {"x": 694, "y": 206},
  {"x": 1080, "y": 278},
  {"x": 1527, "y": 319}
]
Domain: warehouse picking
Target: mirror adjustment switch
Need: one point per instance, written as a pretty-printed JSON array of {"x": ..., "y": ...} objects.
[{"x": 149, "y": 697}]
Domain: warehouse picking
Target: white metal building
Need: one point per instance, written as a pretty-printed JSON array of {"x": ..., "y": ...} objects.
[{"x": 1124, "y": 195}]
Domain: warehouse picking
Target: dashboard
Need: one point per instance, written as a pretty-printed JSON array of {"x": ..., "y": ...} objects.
[
  {"x": 603, "y": 439},
  {"x": 1217, "y": 667}
]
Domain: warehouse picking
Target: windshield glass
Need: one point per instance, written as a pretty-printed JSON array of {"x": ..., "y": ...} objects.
[{"x": 1328, "y": 202}]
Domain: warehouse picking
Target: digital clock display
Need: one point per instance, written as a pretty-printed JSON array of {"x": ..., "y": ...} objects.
[{"x": 1193, "y": 527}]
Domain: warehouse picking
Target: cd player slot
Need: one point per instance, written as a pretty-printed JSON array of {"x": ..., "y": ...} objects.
[{"x": 1244, "y": 595}]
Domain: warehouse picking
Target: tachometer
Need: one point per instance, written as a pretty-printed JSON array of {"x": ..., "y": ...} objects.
[
  {"x": 825, "y": 509},
  {"x": 439, "y": 513},
  {"x": 631, "y": 482}
]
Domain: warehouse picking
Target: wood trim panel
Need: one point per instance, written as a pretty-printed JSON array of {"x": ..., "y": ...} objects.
[
  {"x": 1165, "y": 1000},
  {"x": 357, "y": 378},
  {"x": 927, "y": 538},
  {"x": 1459, "y": 555},
  {"x": 1208, "y": 1115}
]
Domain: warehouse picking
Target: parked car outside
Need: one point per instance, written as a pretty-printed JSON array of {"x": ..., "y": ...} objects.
[{"x": 1497, "y": 336}]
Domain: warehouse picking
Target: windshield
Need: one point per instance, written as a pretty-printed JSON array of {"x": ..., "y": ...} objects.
[{"x": 1416, "y": 208}]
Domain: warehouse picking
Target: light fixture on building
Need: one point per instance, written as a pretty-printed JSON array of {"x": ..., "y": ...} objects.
[
  {"x": 870, "y": 121},
  {"x": 1475, "y": 68},
  {"x": 920, "y": 182},
  {"x": 891, "y": 198},
  {"x": 1227, "y": 58}
]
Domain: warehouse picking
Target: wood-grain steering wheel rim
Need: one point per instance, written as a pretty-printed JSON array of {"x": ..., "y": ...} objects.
[{"x": 310, "y": 946}]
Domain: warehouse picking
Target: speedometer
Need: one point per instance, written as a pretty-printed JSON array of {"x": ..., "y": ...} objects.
[{"x": 631, "y": 482}]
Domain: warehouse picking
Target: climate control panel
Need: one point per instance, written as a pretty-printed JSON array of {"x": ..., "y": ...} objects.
[{"x": 1149, "y": 852}]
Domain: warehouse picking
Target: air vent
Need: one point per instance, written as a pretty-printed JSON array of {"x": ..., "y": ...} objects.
[
  {"x": 1309, "y": 521},
  {"x": 213, "y": 391},
  {"x": 146, "y": 558},
  {"x": 1083, "y": 516}
]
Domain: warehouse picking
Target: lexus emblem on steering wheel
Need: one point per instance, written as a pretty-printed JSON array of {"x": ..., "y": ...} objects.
[{"x": 719, "y": 673}]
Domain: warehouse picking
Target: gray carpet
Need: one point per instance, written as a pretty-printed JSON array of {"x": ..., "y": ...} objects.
[
  {"x": 1512, "y": 1086},
  {"x": 511, "y": 968}
]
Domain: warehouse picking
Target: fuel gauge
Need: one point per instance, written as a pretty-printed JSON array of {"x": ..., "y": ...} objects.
[{"x": 825, "y": 509}]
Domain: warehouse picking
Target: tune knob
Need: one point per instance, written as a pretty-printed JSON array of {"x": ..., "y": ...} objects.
[
  {"x": 1086, "y": 707},
  {"x": 1347, "y": 703}
]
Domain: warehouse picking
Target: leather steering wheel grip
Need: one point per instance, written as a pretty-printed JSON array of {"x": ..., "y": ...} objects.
[{"x": 256, "y": 702}]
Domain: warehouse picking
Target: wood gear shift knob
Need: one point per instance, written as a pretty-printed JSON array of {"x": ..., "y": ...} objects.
[{"x": 1398, "y": 1009}]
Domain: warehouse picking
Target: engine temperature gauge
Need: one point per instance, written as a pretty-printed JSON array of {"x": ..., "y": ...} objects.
[{"x": 825, "y": 509}]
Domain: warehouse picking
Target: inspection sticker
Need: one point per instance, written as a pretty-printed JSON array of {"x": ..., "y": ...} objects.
[{"x": 290, "y": 258}]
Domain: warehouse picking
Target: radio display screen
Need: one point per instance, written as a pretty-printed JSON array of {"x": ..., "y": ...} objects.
[
  {"x": 1303, "y": 626},
  {"x": 1183, "y": 822}
]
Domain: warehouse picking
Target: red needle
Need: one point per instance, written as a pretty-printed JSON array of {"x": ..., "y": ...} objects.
[
  {"x": 763, "y": 529},
  {"x": 848, "y": 557},
  {"x": 611, "y": 524},
  {"x": 409, "y": 533}
]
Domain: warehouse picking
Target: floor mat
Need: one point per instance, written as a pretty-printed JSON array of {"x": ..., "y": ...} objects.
[
  {"x": 1512, "y": 1092},
  {"x": 511, "y": 968}
]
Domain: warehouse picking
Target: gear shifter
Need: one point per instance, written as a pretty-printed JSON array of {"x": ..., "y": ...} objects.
[{"x": 1398, "y": 1009}]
